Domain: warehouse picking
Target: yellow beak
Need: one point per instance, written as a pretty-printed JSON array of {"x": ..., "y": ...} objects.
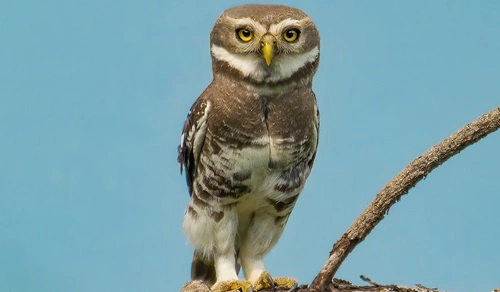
[{"x": 267, "y": 43}]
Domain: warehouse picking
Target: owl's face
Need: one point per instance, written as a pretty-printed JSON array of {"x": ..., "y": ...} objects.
[{"x": 265, "y": 43}]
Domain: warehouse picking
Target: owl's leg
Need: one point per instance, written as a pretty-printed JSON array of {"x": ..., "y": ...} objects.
[
  {"x": 263, "y": 233},
  {"x": 212, "y": 231},
  {"x": 225, "y": 260}
]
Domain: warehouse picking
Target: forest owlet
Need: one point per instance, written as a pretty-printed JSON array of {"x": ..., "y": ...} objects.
[{"x": 249, "y": 142}]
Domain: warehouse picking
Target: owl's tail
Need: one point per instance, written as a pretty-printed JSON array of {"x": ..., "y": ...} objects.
[{"x": 205, "y": 270}]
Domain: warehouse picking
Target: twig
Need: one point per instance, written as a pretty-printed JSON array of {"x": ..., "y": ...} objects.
[
  {"x": 368, "y": 280},
  {"x": 427, "y": 288},
  {"x": 392, "y": 192}
]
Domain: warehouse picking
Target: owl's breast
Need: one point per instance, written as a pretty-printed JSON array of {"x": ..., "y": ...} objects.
[{"x": 262, "y": 144}]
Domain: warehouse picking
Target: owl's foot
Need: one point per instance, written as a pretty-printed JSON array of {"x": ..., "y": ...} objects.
[
  {"x": 286, "y": 282},
  {"x": 265, "y": 281},
  {"x": 232, "y": 285}
]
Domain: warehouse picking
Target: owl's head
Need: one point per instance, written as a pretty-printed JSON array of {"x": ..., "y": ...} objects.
[{"x": 265, "y": 43}]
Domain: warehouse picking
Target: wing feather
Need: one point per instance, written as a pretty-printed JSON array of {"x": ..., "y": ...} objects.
[
  {"x": 192, "y": 139},
  {"x": 316, "y": 124}
]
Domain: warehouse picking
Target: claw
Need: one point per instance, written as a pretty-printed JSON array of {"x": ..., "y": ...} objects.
[
  {"x": 236, "y": 285},
  {"x": 286, "y": 282},
  {"x": 264, "y": 281},
  {"x": 294, "y": 287}
]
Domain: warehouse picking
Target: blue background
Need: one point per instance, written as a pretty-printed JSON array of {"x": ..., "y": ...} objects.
[{"x": 93, "y": 95}]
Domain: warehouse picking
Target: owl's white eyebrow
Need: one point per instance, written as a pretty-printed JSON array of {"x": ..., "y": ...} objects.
[
  {"x": 250, "y": 65},
  {"x": 289, "y": 64},
  {"x": 278, "y": 27},
  {"x": 247, "y": 21}
]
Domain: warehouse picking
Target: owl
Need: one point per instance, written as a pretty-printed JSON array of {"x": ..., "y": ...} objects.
[{"x": 249, "y": 142}]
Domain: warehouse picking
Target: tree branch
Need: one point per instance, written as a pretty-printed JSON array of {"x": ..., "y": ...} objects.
[
  {"x": 337, "y": 286},
  {"x": 392, "y": 192}
]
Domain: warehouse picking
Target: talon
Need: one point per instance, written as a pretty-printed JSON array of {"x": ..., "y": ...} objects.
[
  {"x": 286, "y": 282},
  {"x": 264, "y": 281},
  {"x": 235, "y": 285}
]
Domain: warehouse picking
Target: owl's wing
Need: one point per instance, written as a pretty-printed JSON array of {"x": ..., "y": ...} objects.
[
  {"x": 316, "y": 122},
  {"x": 315, "y": 134},
  {"x": 192, "y": 139}
]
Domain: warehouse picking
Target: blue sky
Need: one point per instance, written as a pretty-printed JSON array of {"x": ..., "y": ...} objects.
[{"x": 94, "y": 93}]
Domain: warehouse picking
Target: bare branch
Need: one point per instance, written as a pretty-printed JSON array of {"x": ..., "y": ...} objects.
[
  {"x": 337, "y": 286},
  {"x": 392, "y": 192},
  {"x": 368, "y": 280}
]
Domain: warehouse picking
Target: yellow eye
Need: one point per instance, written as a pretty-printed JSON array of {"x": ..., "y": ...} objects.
[
  {"x": 245, "y": 34},
  {"x": 291, "y": 35}
]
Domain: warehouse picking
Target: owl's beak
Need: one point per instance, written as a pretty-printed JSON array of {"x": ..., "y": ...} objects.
[{"x": 267, "y": 43}]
